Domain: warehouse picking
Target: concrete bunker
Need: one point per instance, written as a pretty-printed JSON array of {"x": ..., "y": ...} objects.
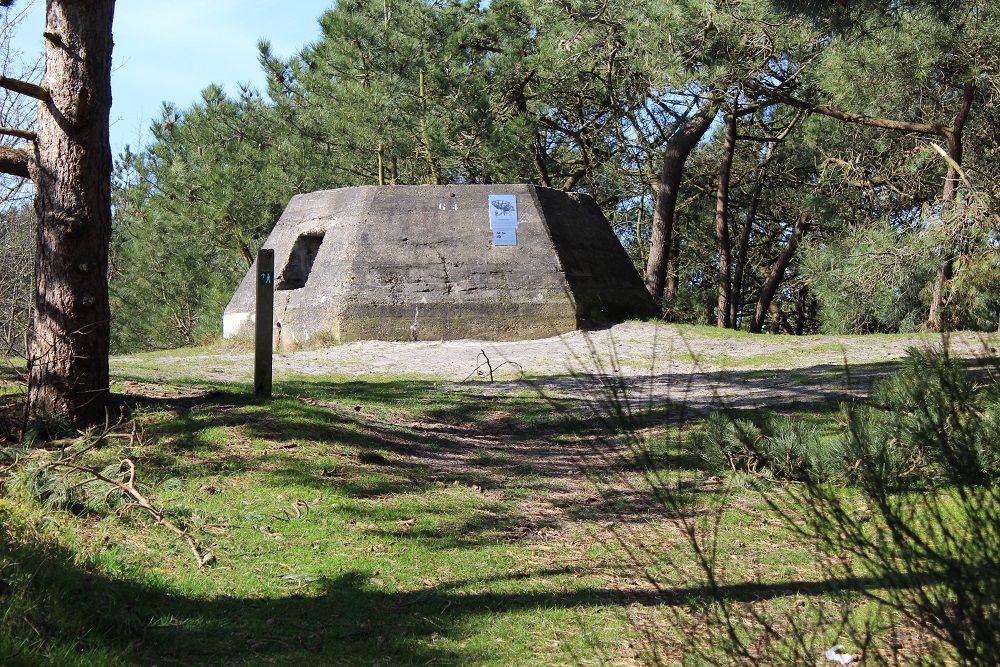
[{"x": 491, "y": 262}]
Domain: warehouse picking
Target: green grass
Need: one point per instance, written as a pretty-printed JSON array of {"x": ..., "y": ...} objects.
[
  {"x": 392, "y": 521},
  {"x": 333, "y": 544},
  {"x": 706, "y": 331},
  {"x": 769, "y": 360}
]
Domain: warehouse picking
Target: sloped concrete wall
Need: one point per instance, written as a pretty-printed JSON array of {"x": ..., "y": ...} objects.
[
  {"x": 600, "y": 274},
  {"x": 418, "y": 263}
]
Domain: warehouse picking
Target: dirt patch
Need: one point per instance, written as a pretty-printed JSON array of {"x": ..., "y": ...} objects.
[{"x": 150, "y": 391}]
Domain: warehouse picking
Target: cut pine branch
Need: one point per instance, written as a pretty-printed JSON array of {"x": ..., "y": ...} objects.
[
  {"x": 27, "y": 135},
  {"x": 128, "y": 487},
  {"x": 25, "y": 88},
  {"x": 15, "y": 161}
]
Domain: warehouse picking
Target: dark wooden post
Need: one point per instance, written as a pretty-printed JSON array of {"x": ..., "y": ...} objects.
[{"x": 263, "y": 335}]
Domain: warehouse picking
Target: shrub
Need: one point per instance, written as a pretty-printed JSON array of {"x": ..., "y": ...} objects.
[
  {"x": 784, "y": 448},
  {"x": 919, "y": 534},
  {"x": 932, "y": 423},
  {"x": 925, "y": 452}
]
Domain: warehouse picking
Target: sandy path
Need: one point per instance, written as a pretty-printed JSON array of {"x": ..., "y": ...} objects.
[{"x": 653, "y": 362}]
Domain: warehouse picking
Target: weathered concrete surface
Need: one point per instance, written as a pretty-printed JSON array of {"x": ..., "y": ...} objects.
[{"x": 418, "y": 263}]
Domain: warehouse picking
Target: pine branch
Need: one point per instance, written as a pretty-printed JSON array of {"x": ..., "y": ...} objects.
[
  {"x": 128, "y": 487},
  {"x": 19, "y": 133},
  {"x": 25, "y": 88},
  {"x": 15, "y": 161},
  {"x": 848, "y": 117}
]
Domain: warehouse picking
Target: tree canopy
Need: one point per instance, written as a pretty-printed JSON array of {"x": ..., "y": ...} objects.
[{"x": 771, "y": 166}]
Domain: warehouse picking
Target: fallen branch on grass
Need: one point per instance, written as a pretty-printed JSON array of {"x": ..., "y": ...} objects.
[
  {"x": 482, "y": 353},
  {"x": 128, "y": 487},
  {"x": 92, "y": 439}
]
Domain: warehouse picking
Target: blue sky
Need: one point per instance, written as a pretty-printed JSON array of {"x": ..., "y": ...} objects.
[{"x": 169, "y": 50}]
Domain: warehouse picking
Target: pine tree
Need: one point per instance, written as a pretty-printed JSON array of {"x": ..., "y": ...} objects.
[{"x": 71, "y": 170}]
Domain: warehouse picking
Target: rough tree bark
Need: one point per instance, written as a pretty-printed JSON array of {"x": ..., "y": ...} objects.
[
  {"x": 777, "y": 273},
  {"x": 723, "y": 313},
  {"x": 676, "y": 154},
  {"x": 14, "y": 161},
  {"x": 71, "y": 169}
]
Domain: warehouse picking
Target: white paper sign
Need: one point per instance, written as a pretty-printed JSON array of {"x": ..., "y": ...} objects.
[
  {"x": 503, "y": 219},
  {"x": 505, "y": 236}
]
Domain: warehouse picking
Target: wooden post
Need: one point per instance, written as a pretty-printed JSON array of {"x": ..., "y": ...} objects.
[{"x": 263, "y": 335}]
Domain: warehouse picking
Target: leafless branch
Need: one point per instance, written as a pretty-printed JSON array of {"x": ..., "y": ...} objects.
[
  {"x": 25, "y": 88},
  {"x": 127, "y": 467}
]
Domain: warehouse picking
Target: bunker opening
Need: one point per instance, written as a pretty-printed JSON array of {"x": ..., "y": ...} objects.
[{"x": 300, "y": 262}]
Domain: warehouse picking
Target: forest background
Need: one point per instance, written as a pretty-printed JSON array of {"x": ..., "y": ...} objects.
[{"x": 771, "y": 166}]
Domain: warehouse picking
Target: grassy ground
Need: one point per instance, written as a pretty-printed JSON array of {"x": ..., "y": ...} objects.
[{"x": 387, "y": 522}]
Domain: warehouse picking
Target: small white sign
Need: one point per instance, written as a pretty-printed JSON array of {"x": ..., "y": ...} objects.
[
  {"x": 503, "y": 219},
  {"x": 505, "y": 236}
]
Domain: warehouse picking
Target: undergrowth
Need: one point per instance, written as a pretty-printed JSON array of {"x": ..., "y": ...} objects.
[
  {"x": 397, "y": 522},
  {"x": 899, "y": 499}
]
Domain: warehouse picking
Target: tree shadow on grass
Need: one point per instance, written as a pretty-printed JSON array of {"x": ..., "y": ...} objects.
[
  {"x": 343, "y": 618},
  {"x": 463, "y": 437},
  {"x": 383, "y": 438}
]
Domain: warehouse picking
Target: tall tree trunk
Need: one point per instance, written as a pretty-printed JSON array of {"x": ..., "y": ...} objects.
[
  {"x": 72, "y": 174},
  {"x": 801, "y": 310},
  {"x": 722, "y": 221},
  {"x": 743, "y": 249},
  {"x": 674, "y": 262},
  {"x": 778, "y": 273},
  {"x": 936, "y": 317},
  {"x": 676, "y": 154},
  {"x": 540, "y": 168},
  {"x": 779, "y": 320}
]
